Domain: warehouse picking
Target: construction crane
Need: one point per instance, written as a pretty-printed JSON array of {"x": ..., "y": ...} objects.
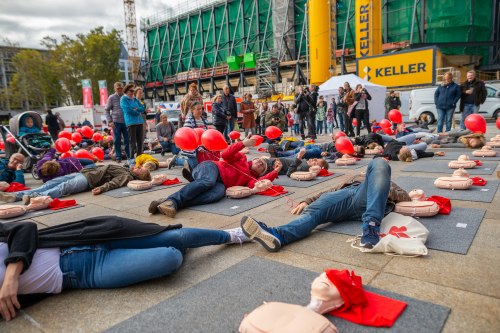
[{"x": 131, "y": 32}]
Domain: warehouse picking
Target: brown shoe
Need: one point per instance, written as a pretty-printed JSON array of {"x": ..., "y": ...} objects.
[
  {"x": 167, "y": 208},
  {"x": 153, "y": 206}
]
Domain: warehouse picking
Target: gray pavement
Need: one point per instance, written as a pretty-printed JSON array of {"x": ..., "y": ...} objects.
[{"x": 468, "y": 284}]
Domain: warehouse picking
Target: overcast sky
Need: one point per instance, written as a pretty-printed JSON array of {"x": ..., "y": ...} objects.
[{"x": 26, "y": 22}]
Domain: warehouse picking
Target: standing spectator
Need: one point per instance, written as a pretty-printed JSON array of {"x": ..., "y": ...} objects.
[
  {"x": 116, "y": 121},
  {"x": 282, "y": 108},
  {"x": 391, "y": 102},
  {"x": 296, "y": 121},
  {"x": 230, "y": 107},
  {"x": 157, "y": 115},
  {"x": 87, "y": 122},
  {"x": 334, "y": 109},
  {"x": 261, "y": 122},
  {"x": 132, "y": 111},
  {"x": 219, "y": 115},
  {"x": 304, "y": 105},
  {"x": 289, "y": 118},
  {"x": 52, "y": 124},
  {"x": 349, "y": 100},
  {"x": 275, "y": 118},
  {"x": 342, "y": 109},
  {"x": 139, "y": 94},
  {"x": 362, "y": 96},
  {"x": 192, "y": 97},
  {"x": 446, "y": 97},
  {"x": 247, "y": 108},
  {"x": 165, "y": 131},
  {"x": 330, "y": 116},
  {"x": 312, "y": 110},
  {"x": 73, "y": 126},
  {"x": 320, "y": 115},
  {"x": 62, "y": 124},
  {"x": 474, "y": 94}
]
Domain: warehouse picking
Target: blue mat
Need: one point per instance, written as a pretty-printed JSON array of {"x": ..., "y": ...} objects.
[
  {"x": 451, "y": 233},
  {"x": 219, "y": 303}
]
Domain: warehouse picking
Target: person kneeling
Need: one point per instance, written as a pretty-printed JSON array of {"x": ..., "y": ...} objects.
[
  {"x": 211, "y": 178},
  {"x": 367, "y": 200}
]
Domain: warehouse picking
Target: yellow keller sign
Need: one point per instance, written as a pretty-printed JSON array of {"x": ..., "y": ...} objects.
[
  {"x": 368, "y": 17},
  {"x": 406, "y": 68}
]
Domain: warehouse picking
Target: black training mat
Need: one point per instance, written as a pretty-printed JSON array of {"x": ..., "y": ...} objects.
[
  {"x": 359, "y": 164},
  {"x": 433, "y": 166},
  {"x": 453, "y": 155},
  {"x": 230, "y": 207},
  {"x": 474, "y": 193},
  {"x": 35, "y": 213},
  {"x": 219, "y": 303},
  {"x": 450, "y": 233},
  {"x": 286, "y": 181}
]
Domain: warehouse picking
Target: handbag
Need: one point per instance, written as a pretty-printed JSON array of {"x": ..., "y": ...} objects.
[{"x": 399, "y": 235}]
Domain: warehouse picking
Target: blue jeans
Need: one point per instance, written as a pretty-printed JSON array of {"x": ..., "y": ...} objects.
[
  {"x": 408, "y": 140},
  {"x": 468, "y": 109},
  {"x": 329, "y": 128},
  {"x": 230, "y": 128},
  {"x": 204, "y": 189},
  {"x": 60, "y": 186},
  {"x": 296, "y": 128},
  {"x": 119, "y": 130},
  {"x": 365, "y": 202},
  {"x": 312, "y": 151},
  {"x": 319, "y": 126},
  {"x": 446, "y": 116},
  {"x": 192, "y": 161},
  {"x": 167, "y": 145},
  {"x": 342, "y": 117},
  {"x": 121, "y": 263},
  {"x": 87, "y": 163}
]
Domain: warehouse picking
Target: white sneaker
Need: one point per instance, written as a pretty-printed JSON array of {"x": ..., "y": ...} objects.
[{"x": 237, "y": 236}]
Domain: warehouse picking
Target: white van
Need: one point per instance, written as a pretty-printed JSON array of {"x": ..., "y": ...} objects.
[
  {"x": 78, "y": 114},
  {"x": 422, "y": 102}
]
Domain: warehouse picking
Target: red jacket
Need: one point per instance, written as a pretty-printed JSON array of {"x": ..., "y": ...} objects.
[{"x": 235, "y": 170}]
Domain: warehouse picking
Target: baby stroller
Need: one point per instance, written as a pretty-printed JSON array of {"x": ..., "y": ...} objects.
[{"x": 32, "y": 145}]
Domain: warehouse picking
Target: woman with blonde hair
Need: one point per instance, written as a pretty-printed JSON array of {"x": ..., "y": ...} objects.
[{"x": 192, "y": 97}]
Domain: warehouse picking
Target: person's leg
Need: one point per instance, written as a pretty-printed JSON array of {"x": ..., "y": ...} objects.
[
  {"x": 318, "y": 127},
  {"x": 441, "y": 118},
  {"x": 205, "y": 177},
  {"x": 366, "y": 119},
  {"x": 117, "y": 135},
  {"x": 408, "y": 139},
  {"x": 335, "y": 116},
  {"x": 69, "y": 184},
  {"x": 131, "y": 130},
  {"x": 220, "y": 128},
  {"x": 124, "y": 133},
  {"x": 418, "y": 146},
  {"x": 311, "y": 126},
  {"x": 359, "y": 116},
  {"x": 140, "y": 138},
  {"x": 449, "y": 119},
  {"x": 342, "y": 119},
  {"x": 468, "y": 109},
  {"x": 173, "y": 148},
  {"x": 312, "y": 151},
  {"x": 386, "y": 138},
  {"x": 214, "y": 194}
]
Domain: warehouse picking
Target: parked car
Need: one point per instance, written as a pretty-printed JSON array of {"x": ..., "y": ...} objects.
[{"x": 422, "y": 102}]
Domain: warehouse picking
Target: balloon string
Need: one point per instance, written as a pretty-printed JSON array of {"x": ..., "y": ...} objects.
[{"x": 289, "y": 201}]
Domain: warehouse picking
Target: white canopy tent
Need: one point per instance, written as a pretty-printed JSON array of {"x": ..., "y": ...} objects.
[{"x": 376, "y": 106}]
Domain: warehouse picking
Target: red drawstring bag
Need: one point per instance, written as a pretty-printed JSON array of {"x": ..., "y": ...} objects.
[
  {"x": 60, "y": 204},
  {"x": 443, "y": 203},
  {"x": 478, "y": 181},
  {"x": 324, "y": 173},
  {"x": 273, "y": 191},
  {"x": 171, "y": 182},
  {"x": 478, "y": 163},
  {"x": 16, "y": 187},
  {"x": 360, "y": 306}
]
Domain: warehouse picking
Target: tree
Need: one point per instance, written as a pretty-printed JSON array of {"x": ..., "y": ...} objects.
[
  {"x": 34, "y": 81},
  {"x": 92, "y": 56}
]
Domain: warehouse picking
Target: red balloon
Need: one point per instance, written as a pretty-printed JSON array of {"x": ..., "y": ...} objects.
[
  {"x": 67, "y": 154},
  {"x": 395, "y": 116},
  {"x": 78, "y": 130},
  {"x": 475, "y": 123},
  {"x": 258, "y": 139},
  {"x": 82, "y": 153},
  {"x": 99, "y": 153},
  {"x": 10, "y": 139},
  {"x": 213, "y": 140},
  {"x": 97, "y": 137},
  {"x": 273, "y": 132},
  {"x": 63, "y": 145},
  {"x": 354, "y": 122},
  {"x": 339, "y": 134},
  {"x": 234, "y": 135},
  {"x": 344, "y": 145},
  {"x": 385, "y": 123},
  {"x": 87, "y": 132},
  {"x": 76, "y": 137},
  {"x": 185, "y": 138},
  {"x": 2, "y": 145},
  {"x": 199, "y": 132},
  {"x": 64, "y": 134},
  {"x": 388, "y": 131}
]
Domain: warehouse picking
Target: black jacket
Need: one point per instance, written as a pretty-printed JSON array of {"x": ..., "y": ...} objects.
[
  {"x": 365, "y": 140},
  {"x": 304, "y": 103},
  {"x": 229, "y": 105},
  {"x": 392, "y": 148},
  {"x": 24, "y": 238},
  {"x": 290, "y": 165}
]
